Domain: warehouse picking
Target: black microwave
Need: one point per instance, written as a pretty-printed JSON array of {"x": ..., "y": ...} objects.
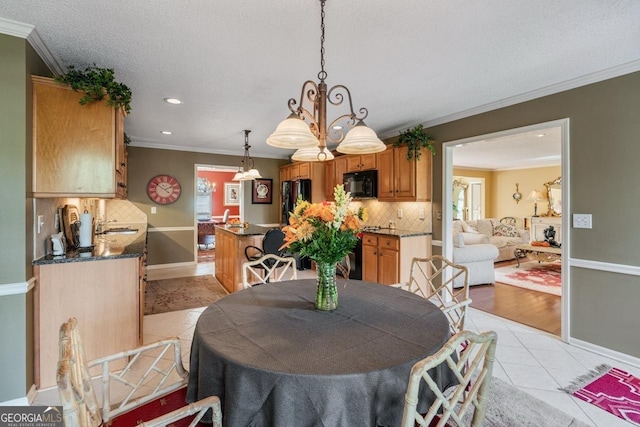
[{"x": 361, "y": 185}]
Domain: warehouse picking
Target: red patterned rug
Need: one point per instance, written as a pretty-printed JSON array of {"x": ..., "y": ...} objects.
[
  {"x": 538, "y": 276},
  {"x": 611, "y": 389}
]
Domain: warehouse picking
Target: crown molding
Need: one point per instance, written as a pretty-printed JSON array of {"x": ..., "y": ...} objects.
[
  {"x": 29, "y": 32},
  {"x": 620, "y": 70},
  {"x": 15, "y": 28},
  {"x": 236, "y": 153}
]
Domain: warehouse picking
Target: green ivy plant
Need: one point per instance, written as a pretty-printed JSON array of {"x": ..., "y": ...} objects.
[
  {"x": 415, "y": 139},
  {"x": 97, "y": 83}
]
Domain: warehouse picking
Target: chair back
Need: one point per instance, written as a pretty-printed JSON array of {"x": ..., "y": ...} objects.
[
  {"x": 472, "y": 368},
  {"x": 79, "y": 403},
  {"x": 225, "y": 216},
  {"x": 269, "y": 268},
  {"x": 433, "y": 279},
  {"x": 273, "y": 241}
]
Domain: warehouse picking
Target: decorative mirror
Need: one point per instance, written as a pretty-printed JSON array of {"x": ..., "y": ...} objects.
[{"x": 554, "y": 195}]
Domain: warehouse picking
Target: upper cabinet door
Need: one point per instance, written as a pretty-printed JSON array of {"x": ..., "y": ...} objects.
[{"x": 74, "y": 146}]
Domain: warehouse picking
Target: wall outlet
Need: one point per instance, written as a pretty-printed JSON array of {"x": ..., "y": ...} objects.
[
  {"x": 439, "y": 214},
  {"x": 40, "y": 223},
  {"x": 421, "y": 214},
  {"x": 581, "y": 220},
  {"x": 153, "y": 209},
  {"x": 399, "y": 213}
]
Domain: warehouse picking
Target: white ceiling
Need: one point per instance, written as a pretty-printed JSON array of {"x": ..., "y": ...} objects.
[{"x": 236, "y": 63}]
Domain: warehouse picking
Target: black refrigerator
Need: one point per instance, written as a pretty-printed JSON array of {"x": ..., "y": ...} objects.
[{"x": 290, "y": 192}]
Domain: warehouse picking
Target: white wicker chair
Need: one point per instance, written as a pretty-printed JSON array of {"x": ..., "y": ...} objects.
[
  {"x": 474, "y": 363},
  {"x": 269, "y": 268},
  {"x": 432, "y": 278},
  {"x": 78, "y": 398}
]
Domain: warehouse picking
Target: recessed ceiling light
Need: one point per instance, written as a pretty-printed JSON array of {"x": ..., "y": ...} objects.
[
  {"x": 540, "y": 135},
  {"x": 338, "y": 127},
  {"x": 166, "y": 132},
  {"x": 173, "y": 101}
]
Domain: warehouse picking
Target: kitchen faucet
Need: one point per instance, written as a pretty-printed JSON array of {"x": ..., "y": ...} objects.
[{"x": 101, "y": 224}]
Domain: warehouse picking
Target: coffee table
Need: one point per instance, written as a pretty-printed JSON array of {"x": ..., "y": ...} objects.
[{"x": 538, "y": 253}]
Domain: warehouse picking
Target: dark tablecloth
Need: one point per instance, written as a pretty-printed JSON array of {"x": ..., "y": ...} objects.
[{"x": 274, "y": 360}]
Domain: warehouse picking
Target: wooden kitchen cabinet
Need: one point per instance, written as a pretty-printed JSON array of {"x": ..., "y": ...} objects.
[
  {"x": 361, "y": 162},
  {"x": 230, "y": 247},
  {"x": 106, "y": 298},
  {"x": 315, "y": 171},
  {"x": 387, "y": 259},
  {"x": 78, "y": 150},
  {"x": 401, "y": 180},
  {"x": 329, "y": 181}
]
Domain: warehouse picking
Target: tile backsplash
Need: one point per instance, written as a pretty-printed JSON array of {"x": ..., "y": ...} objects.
[
  {"x": 380, "y": 213},
  {"x": 123, "y": 211}
]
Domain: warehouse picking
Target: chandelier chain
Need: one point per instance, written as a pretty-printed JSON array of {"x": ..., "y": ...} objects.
[{"x": 322, "y": 75}]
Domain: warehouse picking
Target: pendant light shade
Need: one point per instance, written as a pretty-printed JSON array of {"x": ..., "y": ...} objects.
[
  {"x": 361, "y": 139},
  {"x": 312, "y": 154},
  {"x": 292, "y": 133}
]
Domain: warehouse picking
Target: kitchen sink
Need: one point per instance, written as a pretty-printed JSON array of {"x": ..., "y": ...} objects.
[{"x": 121, "y": 230}]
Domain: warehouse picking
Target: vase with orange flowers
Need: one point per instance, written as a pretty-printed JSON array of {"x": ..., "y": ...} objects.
[{"x": 325, "y": 233}]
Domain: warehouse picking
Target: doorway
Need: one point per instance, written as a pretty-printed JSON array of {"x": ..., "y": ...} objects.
[
  {"x": 212, "y": 185},
  {"x": 448, "y": 190}
]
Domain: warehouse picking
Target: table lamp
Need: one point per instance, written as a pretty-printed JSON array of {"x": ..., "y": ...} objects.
[{"x": 536, "y": 197}]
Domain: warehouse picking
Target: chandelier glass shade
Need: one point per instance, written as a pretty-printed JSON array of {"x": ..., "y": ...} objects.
[
  {"x": 246, "y": 171},
  {"x": 306, "y": 127}
]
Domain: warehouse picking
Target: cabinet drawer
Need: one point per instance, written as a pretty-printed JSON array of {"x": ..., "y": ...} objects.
[
  {"x": 389, "y": 243},
  {"x": 370, "y": 240}
]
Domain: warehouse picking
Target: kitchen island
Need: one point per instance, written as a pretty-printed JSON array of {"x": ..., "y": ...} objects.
[
  {"x": 102, "y": 286},
  {"x": 231, "y": 242}
]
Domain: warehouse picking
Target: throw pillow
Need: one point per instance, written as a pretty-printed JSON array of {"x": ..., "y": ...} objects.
[
  {"x": 467, "y": 228},
  {"x": 505, "y": 230}
]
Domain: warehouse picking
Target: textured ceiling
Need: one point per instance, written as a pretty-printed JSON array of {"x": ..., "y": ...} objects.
[{"x": 236, "y": 63}]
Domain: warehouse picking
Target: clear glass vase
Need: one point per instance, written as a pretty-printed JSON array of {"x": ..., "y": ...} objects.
[{"x": 326, "y": 291}]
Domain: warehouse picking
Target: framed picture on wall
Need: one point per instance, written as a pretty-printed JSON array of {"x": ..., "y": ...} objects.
[
  {"x": 231, "y": 194},
  {"x": 262, "y": 191}
]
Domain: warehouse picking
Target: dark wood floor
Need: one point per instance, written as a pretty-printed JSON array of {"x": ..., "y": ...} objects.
[{"x": 536, "y": 309}]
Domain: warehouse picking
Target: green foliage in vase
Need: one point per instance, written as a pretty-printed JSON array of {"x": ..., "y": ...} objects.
[
  {"x": 415, "y": 139},
  {"x": 98, "y": 83}
]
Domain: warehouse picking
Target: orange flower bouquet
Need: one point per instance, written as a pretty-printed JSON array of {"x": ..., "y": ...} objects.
[{"x": 326, "y": 233}]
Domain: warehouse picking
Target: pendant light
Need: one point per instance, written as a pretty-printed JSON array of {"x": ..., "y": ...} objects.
[
  {"x": 246, "y": 171},
  {"x": 311, "y": 139}
]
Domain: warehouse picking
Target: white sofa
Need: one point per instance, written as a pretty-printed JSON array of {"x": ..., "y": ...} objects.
[
  {"x": 489, "y": 230},
  {"x": 478, "y": 258}
]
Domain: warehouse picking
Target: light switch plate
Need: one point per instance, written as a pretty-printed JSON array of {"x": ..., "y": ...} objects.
[
  {"x": 153, "y": 209},
  {"x": 399, "y": 213},
  {"x": 581, "y": 220}
]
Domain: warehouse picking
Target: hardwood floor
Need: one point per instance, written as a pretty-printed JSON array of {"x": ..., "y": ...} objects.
[{"x": 532, "y": 308}]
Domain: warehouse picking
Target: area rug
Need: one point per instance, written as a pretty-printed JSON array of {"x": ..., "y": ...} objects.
[
  {"x": 206, "y": 255},
  {"x": 538, "y": 276},
  {"x": 182, "y": 293},
  {"x": 611, "y": 389},
  {"x": 508, "y": 406}
]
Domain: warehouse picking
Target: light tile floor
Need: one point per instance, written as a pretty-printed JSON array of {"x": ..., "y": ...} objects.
[{"x": 534, "y": 361}]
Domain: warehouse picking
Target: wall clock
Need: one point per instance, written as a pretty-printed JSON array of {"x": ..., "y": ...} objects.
[{"x": 164, "y": 189}]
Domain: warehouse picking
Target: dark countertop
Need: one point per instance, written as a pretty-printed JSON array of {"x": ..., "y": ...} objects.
[
  {"x": 107, "y": 246},
  {"x": 398, "y": 232},
  {"x": 251, "y": 230}
]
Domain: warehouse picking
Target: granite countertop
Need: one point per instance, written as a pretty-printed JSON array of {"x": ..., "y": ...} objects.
[
  {"x": 106, "y": 246},
  {"x": 250, "y": 230},
  {"x": 398, "y": 232}
]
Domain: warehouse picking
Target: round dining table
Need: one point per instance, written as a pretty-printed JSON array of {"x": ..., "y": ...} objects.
[{"x": 274, "y": 360}]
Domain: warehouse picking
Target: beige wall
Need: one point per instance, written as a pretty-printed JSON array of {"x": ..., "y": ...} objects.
[
  {"x": 176, "y": 246},
  {"x": 604, "y": 153}
]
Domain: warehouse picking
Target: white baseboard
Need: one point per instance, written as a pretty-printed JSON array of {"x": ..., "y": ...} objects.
[
  {"x": 174, "y": 265},
  {"x": 607, "y": 352}
]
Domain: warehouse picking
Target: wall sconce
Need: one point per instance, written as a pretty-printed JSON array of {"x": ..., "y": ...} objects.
[{"x": 517, "y": 196}]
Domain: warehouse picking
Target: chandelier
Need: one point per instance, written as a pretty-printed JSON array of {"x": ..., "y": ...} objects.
[
  {"x": 310, "y": 139},
  {"x": 246, "y": 171}
]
